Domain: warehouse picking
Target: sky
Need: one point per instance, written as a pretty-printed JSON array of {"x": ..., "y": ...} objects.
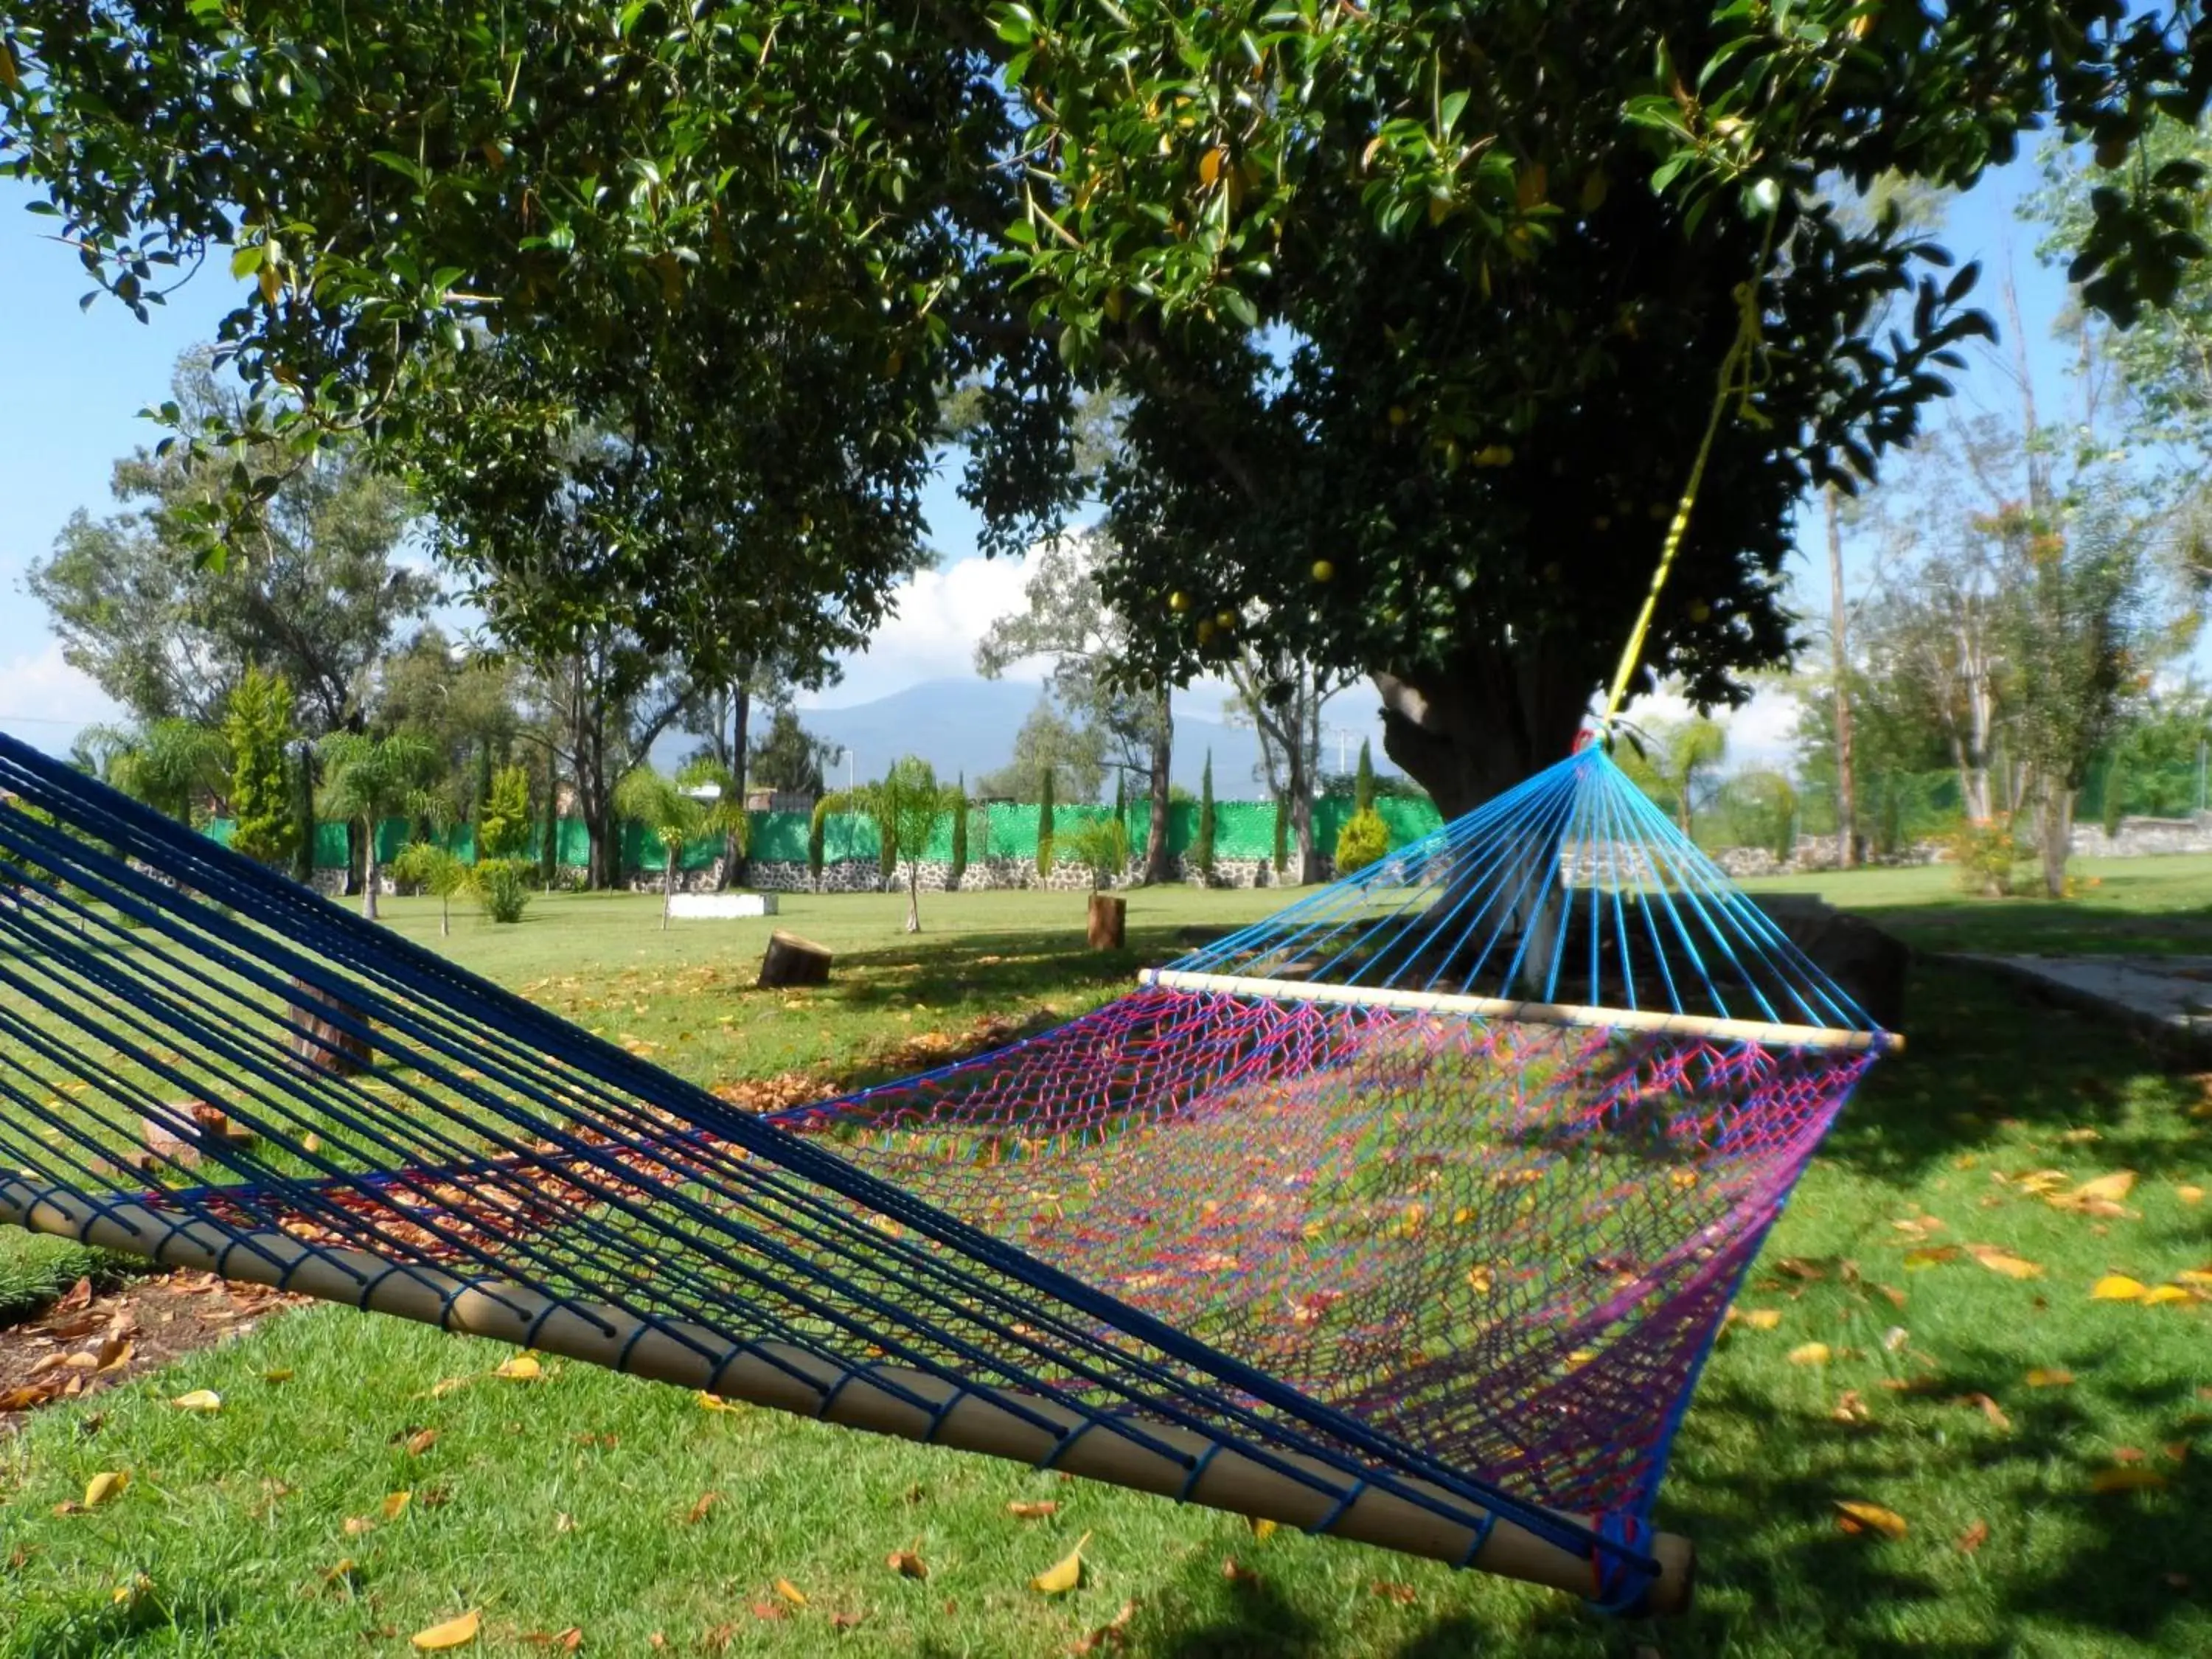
[{"x": 73, "y": 383}]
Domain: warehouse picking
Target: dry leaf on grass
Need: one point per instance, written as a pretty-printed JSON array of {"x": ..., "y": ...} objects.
[
  {"x": 395, "y": 1504},
  {"x": 1974, "y": 1537},
  {"x": 421, "y": 1441},
  {"x": 1854, "y": 1517},
  {"x": 104, "y": 1486},
  {"x": 1762, "y": 1319},
  {"x": 1262, "y": 1530},
  {"x": 2117, "y": 1287},
  {"x": 907, "y": 1563},
  {"x": 453, "y": 1633},
  {"x": 2050, "y": 1378},
  {"x": 2113, "y": 1187},
  {"x": 1037, "y": 1511},
  {"x": 1238, "y": 1573},
  {"x": 199, "y": 1400},
  {"x": 791, "y": 1592},
  {"x": 523, "y": 1367},
  {"x": 2003, "y": 1262},
  {"x": 1390, "y": 1590},
  {"x": 567, "y": 1641},
  {"x": 1810, "y": 1353},
  {"x": 707, "y": 1501},
  {"x": 1111, "y": 1634},
  {"x": 2189, "y": 1195},
  {"x": 1989, "y": 1408},
  {"x": 1065, "y": 1574}
]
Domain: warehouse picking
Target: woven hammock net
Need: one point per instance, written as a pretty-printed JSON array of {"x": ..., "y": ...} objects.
[{"x": 1398, "y": 1182}]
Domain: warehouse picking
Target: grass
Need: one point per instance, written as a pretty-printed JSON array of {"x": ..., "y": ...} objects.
[
  {"x": 569, "y": 1501},
  {"x": 2153, "y": 906}
]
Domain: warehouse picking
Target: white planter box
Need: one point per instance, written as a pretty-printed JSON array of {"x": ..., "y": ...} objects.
[{"x": 720, "y": 907}]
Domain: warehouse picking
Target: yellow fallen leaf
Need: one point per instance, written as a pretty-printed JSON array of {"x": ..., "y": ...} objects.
[
  {"x": 1869, "y": 1517},
  {"x": 2117, "y": 1287},
  {"x": 1762, "y": 1319},
  {"x": 2126, "y": 1477},
  {"x": 1809, "y": 1353},
  {"x": 2189, "y": 1195},
  {"x": 1036, "y": 1511},
  {"x": 523, "y": 1367},
  {"x": 199, "y": 1400},
  {"x": 791, "y": 1592},
  {"x": 1262, "y": 1530},
  {"x": 453, "y": 1633},
  {"x": 2053, "y": 1377},
  {"x": 2197, "y": 1279},
  {"x": 1065, "y": 1574},
  {"x": 2112, "y": 1188},
  {"x": 714, "y": 1402},
  {"x": 114, "y": 1356},
  {"x": 284, "y": 1375},
  {"x": 105, "y": 1485},
  {"x": 395, "y": 1505},
  {"x": 1916, "y": 1260},
  {"x": 2003, "y": 1262},
  {"x": 2163, "y": 1293}
]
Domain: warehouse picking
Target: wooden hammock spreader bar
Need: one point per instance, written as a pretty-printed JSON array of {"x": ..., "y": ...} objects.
[
  {"x": 1768, "y": 1034},
  {"x": 1027, "y": 1429}
]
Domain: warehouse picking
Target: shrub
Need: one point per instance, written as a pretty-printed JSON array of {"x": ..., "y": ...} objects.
[
  {"x": 1985, "y": 855},
  {"x": 502, "y": 887},
  {"x": 1102, "y": 845},
  {"x": 1362, "y": 841}
]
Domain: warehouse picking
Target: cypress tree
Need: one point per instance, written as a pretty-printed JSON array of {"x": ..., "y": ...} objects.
[
  {"x": 1044, "y": 826},
  {"x": 549, "y": 850},
  {"x": 1120, "y": 797},
  {"x": 959, "y": 831},
  {"x": 814, "y": 831},
  {"x": 1363, "y": 782},
  {"x": 1282, "y": 834},
  {"x": 1201, "y": 847},
  {"x": 258, "y": 725}
]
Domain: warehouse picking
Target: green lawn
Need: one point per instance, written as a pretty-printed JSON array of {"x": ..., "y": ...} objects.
[
  {"x": 569, "y": 1501},
  {"x": 2159, "y": 906}
]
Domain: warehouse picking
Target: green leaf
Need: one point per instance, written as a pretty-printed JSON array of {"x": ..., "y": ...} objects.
[{"x": 246, "y": 261}]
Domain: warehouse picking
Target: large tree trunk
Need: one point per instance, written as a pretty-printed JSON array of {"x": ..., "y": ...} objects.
[
  {"x": 913, "y": 895},
  {"x": 668, "y": 886},
  {"x": 2056, "y": 830},
  {"x": 741, "y": 701},
  {"x": 1466, "y": 735},
  {"x": 369, "y": 871},
  {"x": 1847, "y": 804},
  {"x": 1156, "y": 832}
]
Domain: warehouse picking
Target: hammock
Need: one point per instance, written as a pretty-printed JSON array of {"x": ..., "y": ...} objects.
[{"x": 1408, "y": 1215}]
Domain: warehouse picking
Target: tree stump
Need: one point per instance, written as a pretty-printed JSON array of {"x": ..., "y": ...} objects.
[
  {"x": 1109, "y": 921},
  {"x": 186, "y": 1129},
  {"x": 319, "y": 1044},
  {"x": 791, "y": 960}
]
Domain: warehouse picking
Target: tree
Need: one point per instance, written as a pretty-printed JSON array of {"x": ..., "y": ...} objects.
[
  {"x": 1282, "y": 696},
  {"x": 315, "y": 593},
  {"x": 258, "y": 730},
  {"x": 959, "y": 864},
  {"x": 1049, "y": 744},
  {"x": 426, "y": 865},
  {"x": 1674, "y": 764},
  {"x": 1101, "y": 845},
  {"x": 1364, "y": 840},
  {"x": 906, "y": 805},
  {"x": 669, "y": 811},
  {"x": 1202, "y": 846},
  {"x": 462, "y": 702},
  {"x": 1389, "y": 301},
  {"x": 1066, "y": 619},
  {"x": 789, "y": 758},
  {"x": 369, "y": 780},
  {"x": 1044, "y": 849},
  {"x": 503, "y": 822},
  {"x": 1362, "y": 782},
  {"x": 178, "y": 766},
  {"x": 721, "y": 711}
]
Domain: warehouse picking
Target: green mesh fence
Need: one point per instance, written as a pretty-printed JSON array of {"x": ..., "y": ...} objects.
[{"x": 1242, "y": 829}]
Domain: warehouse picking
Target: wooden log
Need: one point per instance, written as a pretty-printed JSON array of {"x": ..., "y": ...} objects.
[
  {"x": 186, "y": 1128},
  {"x": 791, "y": 960},
  {"x": 913, "y": 1405},
  {"x": 1109, "y": 921},
  {"x": 318, "y": 1043}
]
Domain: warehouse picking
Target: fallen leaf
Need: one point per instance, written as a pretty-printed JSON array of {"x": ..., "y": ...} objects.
[
  {"x": 2110, "y": 1188},
  {"x": 1762, "y": 1319},
  {"x": 395, "y": 1505},
  {"x": 282, "y": 1376},
  {"x": 1851, "y": 1408},
  {"x": 2051, "y": 1378},
  {"x": 906, "y": 1564},
  {"x": 1915, "y": 1259},
  {"x": 2117, "y": 1287},
  {"x": 421, "y": 1441},
  {"x": 769, "y": 1610},
  {"x": 342, "y": 1574},
  {"x": 844, "y": 1620},
  {"x": 438, "y": 1391},
  {"x": 2161, "y": 1294},
  {"x": 1974, "y": 1537},
  {"x": 2197, "y": 1279},
  {"x": 523, "y": 1367},
  {"x": 355, "y": 1525},
  {"x": 1391, "y": 1590},
  {"x": 1238, "y": 1573},
  {"x": 791, "y": 1592},
  {"x": 1037, "y": 1511},
  {"x": 1111, "y": 1634},
  {"x": 104, "y": 1486},
  {"x": 2003, "y": 1262},
  {"x": 1810, "y": 1353},
  {"x": 2125, "y": 1478},
  {"x": 114, "y": 1355},
  {"x": 1854, "y": 1516},
  {"x": 453, "y": 1633},
  {"x": 570, "y": 1640},
  {"x": 2189, "y": 1195},
  {"x": 714, "y": 1402},
  {"x": 199, "y": 1400},
  {"x": 1065, "y": 1574},
  {"x": 1991, "y": 1409},
  {"x": 1262, "y": 1530},
  {"x": 707, "y": 1501}
]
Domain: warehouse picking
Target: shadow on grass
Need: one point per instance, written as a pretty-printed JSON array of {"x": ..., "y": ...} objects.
[
  {"x": 1972, "y": 1071},
  {"x": 2096, "y": 1567}
]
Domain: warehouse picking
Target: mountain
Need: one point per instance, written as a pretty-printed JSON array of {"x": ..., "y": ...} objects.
[{"x": 968, "y": 725}]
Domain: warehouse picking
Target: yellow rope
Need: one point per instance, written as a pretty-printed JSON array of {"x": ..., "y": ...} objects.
[{"x": 1737, "y": 381}]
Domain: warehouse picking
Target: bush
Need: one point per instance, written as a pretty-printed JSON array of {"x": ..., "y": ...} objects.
[
  {"x": 1986, "y": 856},
  {"x": 1362, "y": 841},
  {"x": 1102, "y": 845},
  {"x": 502, "y": 887}
]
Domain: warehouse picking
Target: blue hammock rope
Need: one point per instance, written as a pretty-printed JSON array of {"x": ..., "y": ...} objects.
[{"x": 1043, "y": 1245}]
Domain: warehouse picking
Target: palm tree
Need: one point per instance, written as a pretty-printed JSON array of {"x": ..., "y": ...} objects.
[
  {"x": 907, "y": 805},
  {"x": 371, "y": 779},
  {"x": 172, "y": 765},
  {"x": 679, "y": 810}
]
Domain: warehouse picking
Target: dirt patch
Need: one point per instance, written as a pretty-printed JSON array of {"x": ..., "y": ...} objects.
[{"x": 90, "y": 1340}]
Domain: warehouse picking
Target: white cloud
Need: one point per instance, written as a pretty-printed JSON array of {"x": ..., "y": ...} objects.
[
  {"x": 940, "y": 615},
  {"x": 45, "y": 702},
  {"x": 1763, "y": 732}
]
